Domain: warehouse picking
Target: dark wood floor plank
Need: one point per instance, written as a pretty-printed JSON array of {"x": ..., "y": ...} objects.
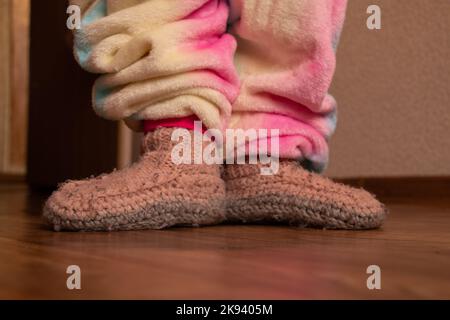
[{"x": 228, "y": 262}]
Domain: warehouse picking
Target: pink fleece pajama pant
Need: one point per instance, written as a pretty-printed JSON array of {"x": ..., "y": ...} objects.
[{"x": 262, "y": 64}]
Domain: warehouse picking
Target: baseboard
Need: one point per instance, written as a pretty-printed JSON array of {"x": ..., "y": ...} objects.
[
  {"x": 403, "y": 186},
  {"x": 12, "y": 178}
]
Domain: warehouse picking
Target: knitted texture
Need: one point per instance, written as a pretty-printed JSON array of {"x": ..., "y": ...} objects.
[
  {"x": 154, "y": 193},
  {"x": 298, "y": 197}
]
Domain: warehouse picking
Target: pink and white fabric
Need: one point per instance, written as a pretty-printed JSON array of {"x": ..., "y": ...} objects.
[{"x": 233, "y": 64}]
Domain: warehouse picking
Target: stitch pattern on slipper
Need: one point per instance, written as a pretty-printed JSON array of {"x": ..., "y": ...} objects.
[
  {"x": 298, "y": 197},
  {"x": 153, "y": 193}
]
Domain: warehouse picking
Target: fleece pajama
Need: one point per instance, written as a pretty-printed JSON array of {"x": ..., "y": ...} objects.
[
  {"x": 260, "y": 64},
  {"x": 238, "y": 64}
]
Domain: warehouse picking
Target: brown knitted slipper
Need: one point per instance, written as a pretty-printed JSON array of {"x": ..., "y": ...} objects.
[
  {"x": 298, "y": 197},
  {"x": 154, "y": 193}
]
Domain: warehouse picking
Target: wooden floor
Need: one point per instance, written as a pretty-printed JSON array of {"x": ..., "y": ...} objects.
[{"x": 226, "y": 262}]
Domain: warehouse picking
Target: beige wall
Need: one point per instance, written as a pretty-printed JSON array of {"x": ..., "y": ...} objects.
[{"x": 393, "y": 90}]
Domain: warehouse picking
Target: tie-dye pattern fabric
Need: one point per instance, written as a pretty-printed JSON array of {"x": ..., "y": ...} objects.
[
  {"x": 159, "y": 59},
  {"x": 286, "y": 60},
  {"x": 174, "y": 58}
]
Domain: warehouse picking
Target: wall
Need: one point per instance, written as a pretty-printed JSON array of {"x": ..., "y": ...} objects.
[
  {"x": 393, "y": 90},
  {"x": 66, "y": 139}
]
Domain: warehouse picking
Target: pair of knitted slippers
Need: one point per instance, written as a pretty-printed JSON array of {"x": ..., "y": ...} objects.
[{"x": 155, "y": 193}]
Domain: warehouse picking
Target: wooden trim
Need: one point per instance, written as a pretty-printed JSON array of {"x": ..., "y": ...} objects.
[
  {"x": 403, "y": 186},
  {"x": 11, "y": 178},
  {"x": 14, "y": 69},
  {"x": 20, "y": 48},
  {"x": 5, "y": 92}
]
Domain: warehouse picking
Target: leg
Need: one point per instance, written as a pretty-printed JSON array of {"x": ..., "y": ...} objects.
[
  {"x": 158, "y": 59},
  {"x": 286, "y": 60}
]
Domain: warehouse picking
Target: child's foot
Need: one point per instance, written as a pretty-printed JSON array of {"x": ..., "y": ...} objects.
[
  {"x": 298, "y": 197},
  {"x": 154, "y": 193}
]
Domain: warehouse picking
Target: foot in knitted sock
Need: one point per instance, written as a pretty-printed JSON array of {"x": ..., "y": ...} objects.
[
  {"x": 154, "y": 193},
  {"x": 298, "y": 197}
]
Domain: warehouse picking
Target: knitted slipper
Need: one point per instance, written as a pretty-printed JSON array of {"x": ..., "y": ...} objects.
[
  {"x": 154, "y": 193},
  {"x": 298, "y": 197}
]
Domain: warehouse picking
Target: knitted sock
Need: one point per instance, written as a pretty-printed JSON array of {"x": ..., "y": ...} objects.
[
  {"x": 154, "y": 193},
  {"x": 298, "y": 197},
  {"x": 185, "y": 122}
]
